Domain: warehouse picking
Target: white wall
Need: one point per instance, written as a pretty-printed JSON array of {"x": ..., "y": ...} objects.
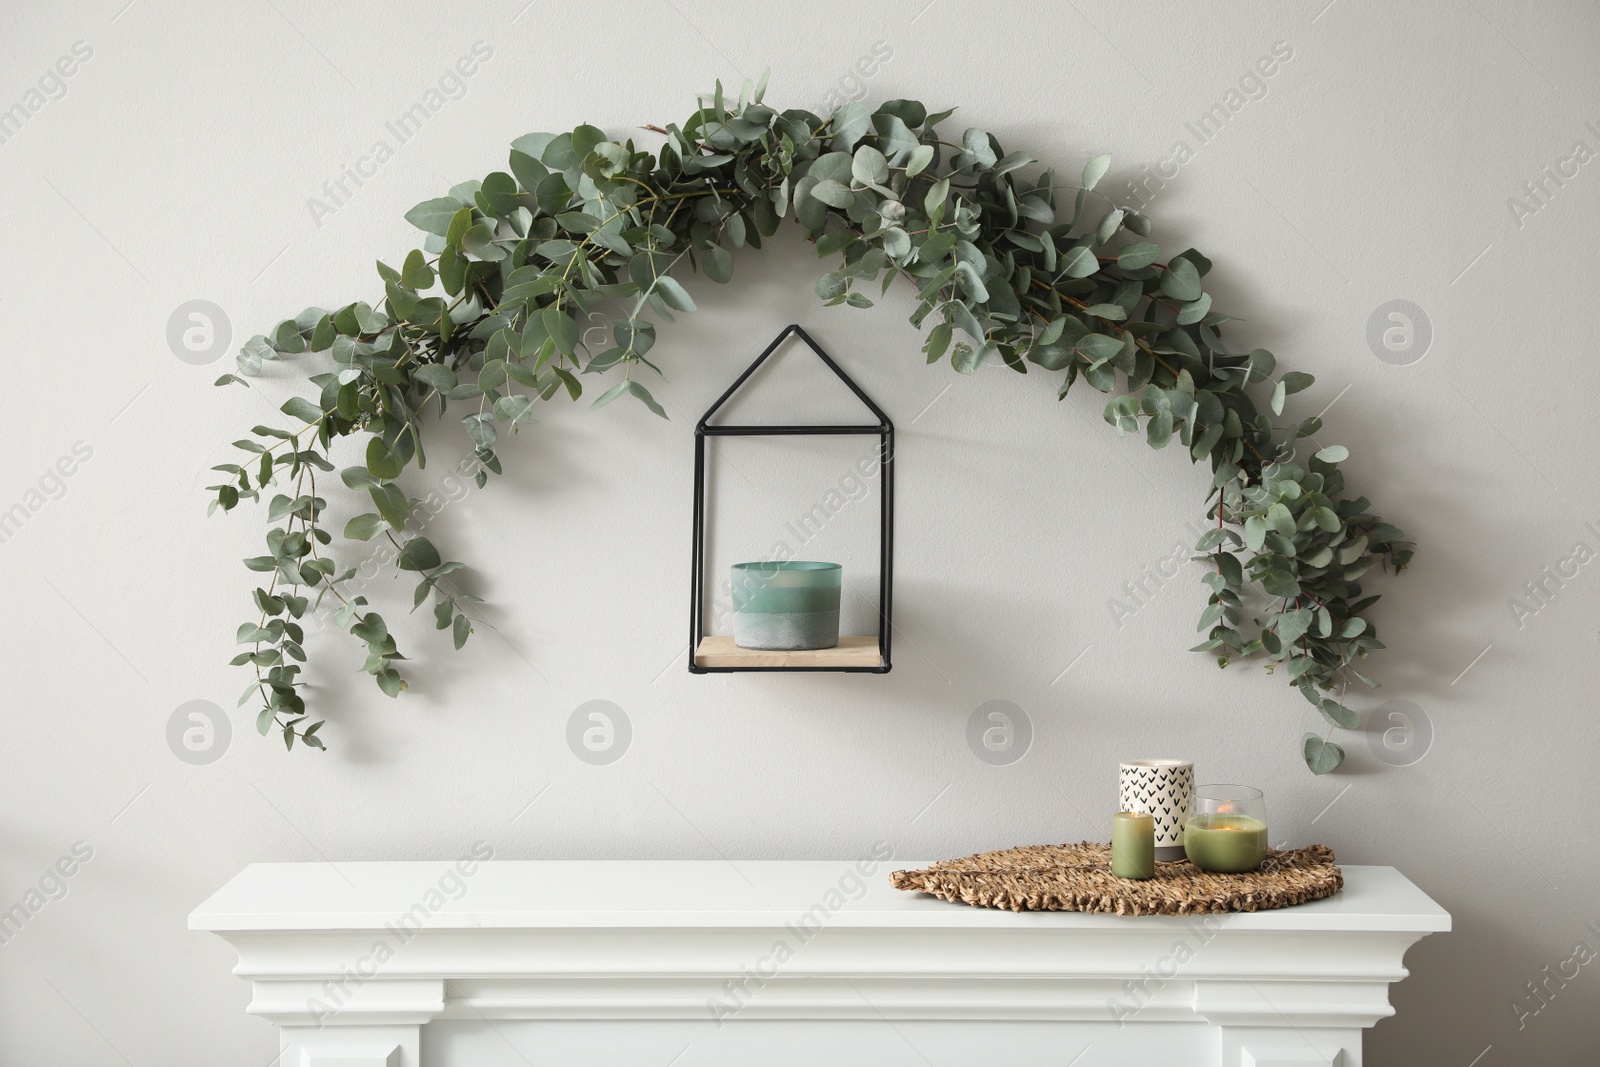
[{"x": 1377, "y": 166}]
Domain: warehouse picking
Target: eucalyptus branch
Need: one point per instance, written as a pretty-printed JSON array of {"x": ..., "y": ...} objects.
[{"x": 581, "y": 226}]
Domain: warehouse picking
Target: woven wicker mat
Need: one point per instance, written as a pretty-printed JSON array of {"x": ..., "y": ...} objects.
[{"x": 1079, "y": 878}]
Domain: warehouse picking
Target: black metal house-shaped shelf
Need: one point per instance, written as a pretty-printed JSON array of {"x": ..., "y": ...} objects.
[{"x": 854, "y": 654}]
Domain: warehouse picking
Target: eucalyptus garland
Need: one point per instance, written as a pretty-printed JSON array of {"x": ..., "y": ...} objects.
[{"x": 490, "y": 317}]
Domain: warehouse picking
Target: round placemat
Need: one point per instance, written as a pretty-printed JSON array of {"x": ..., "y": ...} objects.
[{"x": 1078, "y": 878}]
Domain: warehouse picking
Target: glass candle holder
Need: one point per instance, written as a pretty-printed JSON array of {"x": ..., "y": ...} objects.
[
  {"x": 1226, "y": 831},
  {"x": 786, "y": 605}
]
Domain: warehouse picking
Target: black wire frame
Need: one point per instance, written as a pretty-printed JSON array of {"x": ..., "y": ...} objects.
[{"x": 884, "y": 431}]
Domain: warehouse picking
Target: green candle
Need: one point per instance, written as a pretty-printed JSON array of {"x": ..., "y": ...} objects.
[
  {"x": 1225, "y": 843},
  {"x": 1133, "y": 845}
]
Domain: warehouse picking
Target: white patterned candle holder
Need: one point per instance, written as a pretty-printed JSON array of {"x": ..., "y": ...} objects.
[{"x": 1162, "y": 788}]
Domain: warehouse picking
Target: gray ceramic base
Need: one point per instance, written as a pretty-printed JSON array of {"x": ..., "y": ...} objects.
[
  {"x": 1168, "y": 853},
  {"x": 786, "y": 632}
]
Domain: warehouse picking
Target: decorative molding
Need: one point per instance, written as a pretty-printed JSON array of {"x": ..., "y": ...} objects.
[
  {"x": 692, "y": 944},
  {"x": 1279, "y": 1003},
  {"x": 376, "y": 1057},
  {"x": 1296, "y": 1057},
  {"x": 336, "y": 999}
]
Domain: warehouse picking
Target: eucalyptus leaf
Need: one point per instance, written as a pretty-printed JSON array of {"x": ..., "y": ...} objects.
[
  {"x": 1079, "y": 262},
  {"x": 718, "y": 264},
  {"x": 1138, "y": 256},
  {"x": 383, "y": 463},
  {"x": 1094, "y": 170},
  {"x": 418, "y": 554},
  {"x": 392, "y": 505},
  {"x": 833, "y": 193},
  {"x": 515, "y": 408},
  {"x": 300, "y": 408},
  {"x": 1337, "y": 714},
  {"x": 1321, "y": 756},
  {"x": 869, "y": 166},
  {"x": 434, "y": 215},
  {"x": 1181, "y": 280},
  {"x": 630, "y": 388},
  {"x": 674, "y": 294},
  {"x": 1296, "y": 381},
  {"x": 365, "y": 527}
]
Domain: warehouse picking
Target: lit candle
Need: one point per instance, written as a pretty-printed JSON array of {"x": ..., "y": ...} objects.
[
  {"x": 1225, "y": 841},
  {"x": 1133, "y": 845}
]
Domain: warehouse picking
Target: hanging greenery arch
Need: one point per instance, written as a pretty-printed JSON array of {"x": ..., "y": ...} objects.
[{"x": 487, "y": 315}]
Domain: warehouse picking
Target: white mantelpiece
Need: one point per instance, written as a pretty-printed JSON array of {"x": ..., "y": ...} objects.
[{"x": 789, "y": 964}]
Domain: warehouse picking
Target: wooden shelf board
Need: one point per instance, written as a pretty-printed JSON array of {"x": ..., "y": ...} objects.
[{"x": 850, "y": 652}]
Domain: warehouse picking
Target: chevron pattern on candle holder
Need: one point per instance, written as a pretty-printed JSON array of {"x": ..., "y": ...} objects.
[{"x": 1162, "y": 788}]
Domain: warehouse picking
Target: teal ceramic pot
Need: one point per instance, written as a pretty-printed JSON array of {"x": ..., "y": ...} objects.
[{"x": 786, "y": 605}]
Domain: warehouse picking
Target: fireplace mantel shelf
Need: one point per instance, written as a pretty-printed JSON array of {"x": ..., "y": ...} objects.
[{"x": 443, "y": 964}]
